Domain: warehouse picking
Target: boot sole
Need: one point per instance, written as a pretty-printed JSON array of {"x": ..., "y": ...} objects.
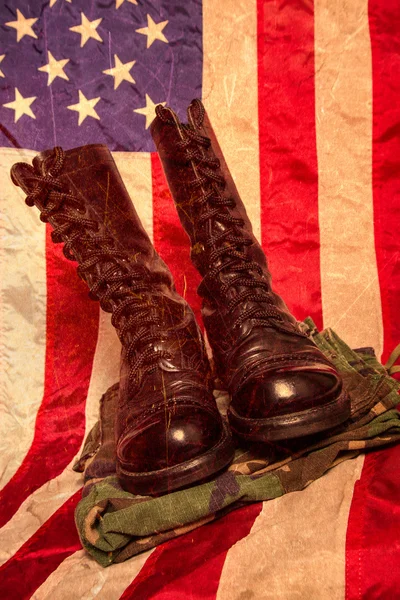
[
  {"x": 163, "y": 481},
  {"x": 292, "y": 425}
]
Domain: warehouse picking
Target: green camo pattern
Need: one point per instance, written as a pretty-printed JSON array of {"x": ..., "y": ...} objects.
[{"x": 114, "y": 525}]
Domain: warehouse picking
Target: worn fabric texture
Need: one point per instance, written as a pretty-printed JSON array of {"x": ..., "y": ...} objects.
[
  {"x": 115, "y": 525},
  {"x": 304, "y": 98}
]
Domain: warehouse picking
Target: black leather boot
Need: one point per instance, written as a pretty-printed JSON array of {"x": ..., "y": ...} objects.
[
  {"x": 169, "y": 431},
  {"x": 281, "y": 385}
]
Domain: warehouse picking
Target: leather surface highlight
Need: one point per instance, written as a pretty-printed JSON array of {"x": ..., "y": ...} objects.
[{"x": 256, "y": 342}]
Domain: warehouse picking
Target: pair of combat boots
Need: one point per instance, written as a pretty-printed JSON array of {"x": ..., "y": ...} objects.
[{"x": 169, "y": 431}]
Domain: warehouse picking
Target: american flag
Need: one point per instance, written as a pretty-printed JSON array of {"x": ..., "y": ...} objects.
[{"x": 304, "y": 99}]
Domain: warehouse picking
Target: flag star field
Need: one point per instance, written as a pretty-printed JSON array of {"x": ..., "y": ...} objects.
[{"x": 77, "y": 72}]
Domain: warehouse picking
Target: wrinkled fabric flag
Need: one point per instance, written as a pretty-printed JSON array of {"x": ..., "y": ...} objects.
[{"x": 303, "y": 99}]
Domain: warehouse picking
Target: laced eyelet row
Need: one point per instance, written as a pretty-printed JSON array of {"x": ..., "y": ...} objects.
[
  {"x": 122, "y": 287},
  {"x": 227, "y": 247}
]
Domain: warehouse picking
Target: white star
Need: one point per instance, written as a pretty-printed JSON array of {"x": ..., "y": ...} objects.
[
  {"x": 55, "y": 68},
  {"x": 1, "y": 58},
  {"x": 87, "y": 29},
  {"x": 21, "y": 106},
  {"x": 119, "y": 2},
  {"x": 149, "y": 110},
  {"x": 23, "y": 26},
  {"x": 85, "y": 107},
  {"x": 52, "y": 2},
  {"x": 121, "y": 72},
  {"x": 153, "y": 31}
]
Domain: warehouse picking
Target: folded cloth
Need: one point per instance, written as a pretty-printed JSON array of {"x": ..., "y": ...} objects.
[{"x": 114, "y": 525}]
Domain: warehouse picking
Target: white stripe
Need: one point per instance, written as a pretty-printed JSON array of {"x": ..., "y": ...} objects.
[
  {"x": 46, "y": 500},
  {"x": 40, "y": 505},
  {"x": 343, "y": 94},
  {"x": 135, "y": 170},
  {"x": 79, "y": 576},
  {"x": 230, "y": 92},
  {"x": 296, "y": 547},
  {"x": 22, "y": 318}
]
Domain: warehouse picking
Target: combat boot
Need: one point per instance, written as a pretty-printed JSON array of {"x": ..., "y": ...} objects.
[
  {"x": 169, "y": 431},
  {"x": 281, "y": 385}
]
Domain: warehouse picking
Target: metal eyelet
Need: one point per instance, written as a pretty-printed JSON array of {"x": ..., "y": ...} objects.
[{"x": 198, "y": 248}]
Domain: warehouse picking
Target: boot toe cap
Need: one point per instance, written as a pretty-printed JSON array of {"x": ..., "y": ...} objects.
[
  {"x": 289, "y": 404},
  {"x": 279, "y": 393},
  {"x": 173, "y": 449}
]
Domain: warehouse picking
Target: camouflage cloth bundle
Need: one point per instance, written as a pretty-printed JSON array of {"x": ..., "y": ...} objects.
[{"x": 114, "y": 525}]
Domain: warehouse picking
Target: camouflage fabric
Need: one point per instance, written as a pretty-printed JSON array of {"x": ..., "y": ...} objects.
[{"x": 114, "y": 525}]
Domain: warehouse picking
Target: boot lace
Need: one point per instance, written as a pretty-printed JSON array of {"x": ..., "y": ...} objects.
[
  {"x": 121, "y": 287},
  {"x": 227, "y": 247}
]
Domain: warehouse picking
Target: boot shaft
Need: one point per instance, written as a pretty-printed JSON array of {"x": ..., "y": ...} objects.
[
  {"x": 209, "y": 206},
  {"x": 170, "y": 135},
  {"x": 90, "y": 174},
  {"x": 81, "y": 194}
]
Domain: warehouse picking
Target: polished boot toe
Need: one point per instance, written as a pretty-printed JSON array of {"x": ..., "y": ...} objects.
[
  {"x": 187, "y": 445},
  {"x": 288, "y": 404}
]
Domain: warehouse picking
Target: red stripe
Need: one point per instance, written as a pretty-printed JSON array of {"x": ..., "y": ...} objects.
[
  {"x": 52, "y": 543},
  {"x": 288, "y": 156},
  {"x": 171, "y": 241},
  {"x": 373, "y": 538},
  {"x": 190, "y": 566},
  {"x": 72, "y": 328},
  {"x": 384, "y": 19}
]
